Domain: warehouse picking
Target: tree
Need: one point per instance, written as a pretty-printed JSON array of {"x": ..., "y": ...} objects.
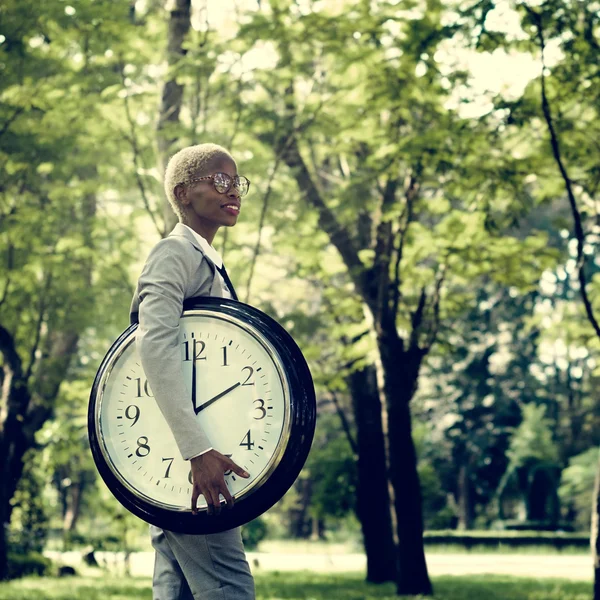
[
  {"x": 52, "y": 78},
  {"x": 391, "y": 149}
]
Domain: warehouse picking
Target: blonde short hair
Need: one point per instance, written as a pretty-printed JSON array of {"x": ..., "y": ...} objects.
[{"x": 188, "y": 163}]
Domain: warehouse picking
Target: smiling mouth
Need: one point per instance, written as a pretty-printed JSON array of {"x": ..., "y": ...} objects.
[{"x": 232, "y": 207}]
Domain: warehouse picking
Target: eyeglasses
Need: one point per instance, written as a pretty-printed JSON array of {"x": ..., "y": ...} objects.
[{"x": 223, "y": 182}]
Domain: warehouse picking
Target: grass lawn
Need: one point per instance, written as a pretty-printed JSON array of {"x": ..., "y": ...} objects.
[{"x": 304, "y": 586}]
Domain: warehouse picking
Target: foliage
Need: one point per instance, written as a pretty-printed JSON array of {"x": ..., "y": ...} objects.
[
  {"x": 32, "y": 563},
  {"x": 532, "y": 440},
  {"x": 375, "y": 99},
  {"x": 332, "y": 468},
  {"x": 577, "y": 485},
  {"x": 253, "y": 533},
  {"x": 29, "y": 525}
]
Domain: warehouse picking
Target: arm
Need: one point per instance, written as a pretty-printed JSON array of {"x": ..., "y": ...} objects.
[{"x": 162, "y": 287}]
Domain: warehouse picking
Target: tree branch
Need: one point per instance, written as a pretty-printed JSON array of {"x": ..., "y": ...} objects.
[
  {"x": 555, "y": 143},
  {"x": 261, "y": 223},
  {"x": 345, "y": 423},
  {"x": 411, "y": 194},
  {"x": 416, "y": 319},
  {"x": 9, "y": 352},
  {"x": 11, "y": 120},
  {"x": 381, "y": 264},
  {"x": 435, "y": 326},
  {"x": 38, "y": 329},
  {"x": 136, "y": 160}
]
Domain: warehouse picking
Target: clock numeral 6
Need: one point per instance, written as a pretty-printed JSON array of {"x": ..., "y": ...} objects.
[
  {"x": 132, "y": 412},
  {"x": 143, "y": 449},
  {"x": 143, "y": 387}
]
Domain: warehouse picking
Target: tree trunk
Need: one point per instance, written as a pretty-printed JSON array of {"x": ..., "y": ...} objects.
[
  {"x": 401, "y": 371},
  {"x": 595, "y": 534},
  {"x": 74, "y": 495},
  {"x": 465, "y": 511},
  {"x": 172, "y": 94},
  {"x": 373, "y": 497},
  {"x": 12, "y": 449}
]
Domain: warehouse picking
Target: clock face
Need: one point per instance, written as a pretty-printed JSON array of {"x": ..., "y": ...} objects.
[
  {"x": 251, "y": 391},
  {"x": 240, "y": 395}
]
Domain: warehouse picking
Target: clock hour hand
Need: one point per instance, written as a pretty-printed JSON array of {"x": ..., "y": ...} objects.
[{"x": 209, "y": 402}]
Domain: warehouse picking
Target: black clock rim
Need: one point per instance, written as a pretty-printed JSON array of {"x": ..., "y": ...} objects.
[{"x": 302, "y": 427}]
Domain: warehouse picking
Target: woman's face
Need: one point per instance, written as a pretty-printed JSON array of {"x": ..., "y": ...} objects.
[{"x": 205, "y": 208}]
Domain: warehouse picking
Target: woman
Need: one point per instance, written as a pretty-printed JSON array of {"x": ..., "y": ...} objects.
[{"x": 205, "y": 191}]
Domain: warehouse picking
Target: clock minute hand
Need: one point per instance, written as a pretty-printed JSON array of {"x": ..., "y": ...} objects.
[
  {"x": 209, "y": 402},
  {"x": 194, "y": 386}
]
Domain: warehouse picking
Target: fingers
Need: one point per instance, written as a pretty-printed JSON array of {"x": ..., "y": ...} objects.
[
  {"x": 211, "y": 484},
  {"x": 238, "y": 470},
  {"x": 212, "y": 500},
  {"x": 228, "y": 497},
  {"x": 195, "y": 496}
]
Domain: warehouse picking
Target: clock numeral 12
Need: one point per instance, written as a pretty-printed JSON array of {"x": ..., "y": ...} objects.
[{"x": 197, "y": 353}]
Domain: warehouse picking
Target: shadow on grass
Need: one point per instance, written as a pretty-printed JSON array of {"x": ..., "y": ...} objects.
[{"x": 304, "y": 586}]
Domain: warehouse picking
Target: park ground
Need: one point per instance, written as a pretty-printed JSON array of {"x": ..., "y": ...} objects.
[
  {"x": 292, "y": 572},
  {"x": 306, "y": 585},
  {"x": 281, "y": 556}
]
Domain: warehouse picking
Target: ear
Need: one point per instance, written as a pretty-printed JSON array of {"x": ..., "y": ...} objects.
[{"x": 181, "y": 194}]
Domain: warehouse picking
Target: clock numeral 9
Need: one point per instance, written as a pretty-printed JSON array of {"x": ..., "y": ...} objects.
[
  {"x": 145, "y": 387},
  {"x": 132, "y": 415},
  {"x": 143, "y": 449}
]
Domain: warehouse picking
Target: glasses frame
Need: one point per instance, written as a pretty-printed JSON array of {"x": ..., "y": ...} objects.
[{"x": 231, "y": 182}]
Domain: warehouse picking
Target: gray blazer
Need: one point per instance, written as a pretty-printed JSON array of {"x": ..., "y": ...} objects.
[{"x": 176, "y": 269}]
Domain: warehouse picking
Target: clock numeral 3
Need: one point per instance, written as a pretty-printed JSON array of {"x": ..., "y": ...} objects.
[
  {"x": 247, "y": 441},
  {"x": 136, "y": 413},
  {"x": 143, "y": 449},
  {"x": 143, "y": 386},
  {"x": 261, "y": 408}
]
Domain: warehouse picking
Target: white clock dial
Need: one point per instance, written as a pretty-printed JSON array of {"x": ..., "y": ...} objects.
[{"x": 240, "y": 397}]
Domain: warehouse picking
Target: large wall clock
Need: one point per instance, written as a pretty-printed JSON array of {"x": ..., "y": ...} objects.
[{"x": 253, "y": 394}]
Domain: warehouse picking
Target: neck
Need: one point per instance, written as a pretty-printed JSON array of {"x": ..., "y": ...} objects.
[{"x": 206, "y": 230}]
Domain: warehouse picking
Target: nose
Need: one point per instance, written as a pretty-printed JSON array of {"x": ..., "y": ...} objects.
[{"x": 233, "y": 192}]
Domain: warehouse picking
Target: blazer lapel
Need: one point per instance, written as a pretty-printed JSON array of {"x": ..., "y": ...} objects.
[{"x": 182, "y": 230}]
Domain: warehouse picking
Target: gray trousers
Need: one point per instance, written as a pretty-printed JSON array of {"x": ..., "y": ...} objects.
[{"x": 200, "y": 567}]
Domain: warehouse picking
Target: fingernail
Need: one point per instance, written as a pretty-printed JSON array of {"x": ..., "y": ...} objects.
[{"x": 246, "y": 474}]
